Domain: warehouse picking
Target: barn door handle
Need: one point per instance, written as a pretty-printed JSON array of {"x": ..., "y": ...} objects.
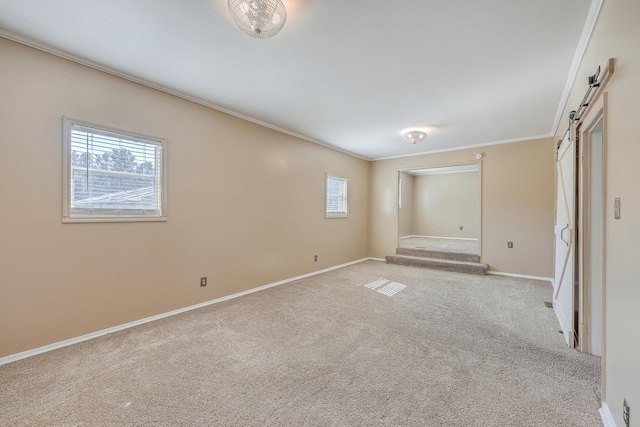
[{"x": 562, "y": 235}]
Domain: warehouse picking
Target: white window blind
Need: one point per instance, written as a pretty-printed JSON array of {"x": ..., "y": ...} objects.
[
  {"x": 336, "y": 200},
  {"x": 112, "y": 174}
]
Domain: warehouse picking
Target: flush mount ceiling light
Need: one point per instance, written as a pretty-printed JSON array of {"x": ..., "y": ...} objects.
[
  {"x": 415, "y": 136},
  {"x": 258, "y": 18}
]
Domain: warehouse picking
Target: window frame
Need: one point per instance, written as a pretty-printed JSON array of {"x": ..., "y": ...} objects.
[
  {"x": 68, "y": 214},
  {"x": 345, "y": 197}
]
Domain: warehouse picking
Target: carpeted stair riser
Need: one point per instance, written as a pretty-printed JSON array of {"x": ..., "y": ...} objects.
[
  {"x": 424, "y": 253},
  {"x": 439, "y": 264}
]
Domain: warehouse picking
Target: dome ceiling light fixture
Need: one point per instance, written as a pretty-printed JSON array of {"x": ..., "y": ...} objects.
[
  {"x": 258, "y": 18},
  {"x": 415, "y": 136}
]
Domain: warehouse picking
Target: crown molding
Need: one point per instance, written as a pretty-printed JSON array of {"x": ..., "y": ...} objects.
[
  {"x": 589, "y": 26},
  {"x": 108, "y": 70}
]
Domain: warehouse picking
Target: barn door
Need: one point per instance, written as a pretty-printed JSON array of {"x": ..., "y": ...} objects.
[{"x": 563, "y": 286}]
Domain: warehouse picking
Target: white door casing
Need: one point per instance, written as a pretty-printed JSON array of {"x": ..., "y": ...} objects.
[
  {"x": 591, "y": 214},
  {"x": 595, "y": 253}
]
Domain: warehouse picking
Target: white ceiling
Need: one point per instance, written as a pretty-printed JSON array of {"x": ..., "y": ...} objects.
[{"x": 351, "y": 74}]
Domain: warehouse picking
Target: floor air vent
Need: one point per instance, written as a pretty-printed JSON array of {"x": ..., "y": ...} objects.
[
  {"x": 392, "y": 288},
  {"x": 389, "y": 288},
  {"x": 376, "y": 284}
]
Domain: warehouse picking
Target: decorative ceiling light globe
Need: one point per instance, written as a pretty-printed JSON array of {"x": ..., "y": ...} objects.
[
  {"x": 258, "y": 18},
  {"x": 415, "y": 136}
]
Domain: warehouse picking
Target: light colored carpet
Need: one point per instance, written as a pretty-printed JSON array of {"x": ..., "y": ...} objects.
[{"x": 448, "y": 349}]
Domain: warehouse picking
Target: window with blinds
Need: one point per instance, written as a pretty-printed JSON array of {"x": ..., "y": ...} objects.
[
  {"x": 336, "y": 200},
  {"x": 111, "y": 175}
]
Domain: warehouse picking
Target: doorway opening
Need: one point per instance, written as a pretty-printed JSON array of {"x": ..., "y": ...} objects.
[{"x": 439, "y": 209}]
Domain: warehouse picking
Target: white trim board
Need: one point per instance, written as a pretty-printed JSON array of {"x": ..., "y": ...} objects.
[
  {"x": 96, "y": 66},
  {"x": 607, "y": 417},
  {"x": 486, "y": 144},
  {"x": 589, "y": 26},
  {"x": 92, "y": 335},
  {"x": 521, "y": 276},
  {"x": 438, "y": 237}
]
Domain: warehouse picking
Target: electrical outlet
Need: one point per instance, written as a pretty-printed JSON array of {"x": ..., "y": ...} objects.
[
  {"x": 315, "y": 257},
  {"x": 625, "y": 412},
  {"x": 510, "y": 245},
  {"x": 203, "y": 281}
]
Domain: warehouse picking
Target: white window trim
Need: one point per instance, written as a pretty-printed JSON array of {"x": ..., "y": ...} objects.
[
  {"x": 346, "y": 197},
  {"x": 67, "y": 217}
]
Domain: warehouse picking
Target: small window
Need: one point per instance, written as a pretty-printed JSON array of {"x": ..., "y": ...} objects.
[
  {"x": 336, "y": 201},
  {"x": 111, "y": 175}
]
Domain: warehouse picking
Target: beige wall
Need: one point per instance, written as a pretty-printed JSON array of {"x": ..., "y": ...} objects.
[
  {"x": 405, "y": 213},
  {"x": 246, "y": 206},
  {"x": 52, "y": 288},
  {"x": 616, "y": 36},
  {"x": 517, "y": 203},
  {"x": 445, "y": 202}
]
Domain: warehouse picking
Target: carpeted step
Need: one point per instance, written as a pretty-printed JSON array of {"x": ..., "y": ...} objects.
[
  {"x": 439, "y": 264},
  {"x": 425, "y": 253}
]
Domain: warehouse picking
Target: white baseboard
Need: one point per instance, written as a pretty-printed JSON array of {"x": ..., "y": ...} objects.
[
  {"x": 377, "y": 259},
  {"x": 439, "y": 237},
  {"x": 607, "y": 417},
  {"x": 522, "y": 276},
  {"x": 92, "y": 335}
]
